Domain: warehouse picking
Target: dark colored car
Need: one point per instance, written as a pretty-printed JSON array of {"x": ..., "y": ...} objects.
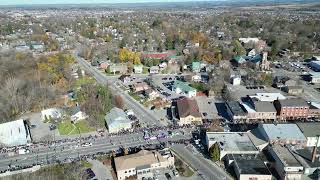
[{"x": 168, "y": 176}]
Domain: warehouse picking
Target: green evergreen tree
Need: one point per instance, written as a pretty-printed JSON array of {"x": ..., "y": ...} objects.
[{"x": 214, "y": 152}]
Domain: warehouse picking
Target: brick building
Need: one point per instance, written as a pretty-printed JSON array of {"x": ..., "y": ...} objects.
[{"x": 292, "y": 109}]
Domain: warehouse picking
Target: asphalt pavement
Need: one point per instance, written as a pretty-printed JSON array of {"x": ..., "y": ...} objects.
[
  {"x": 71, "y": 150},
  {"x": 204, "y": 169}
]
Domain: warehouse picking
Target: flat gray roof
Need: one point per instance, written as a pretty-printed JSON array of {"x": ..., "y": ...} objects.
[
  {"x": 310, "y": 129},
  {"x": 249, "y": 164},
  {"x": 282, "y": 131},
  {"x": 232, "y": 141}
]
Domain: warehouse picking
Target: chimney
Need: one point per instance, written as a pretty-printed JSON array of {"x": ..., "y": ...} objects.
[{"x": 314, "y": 151}]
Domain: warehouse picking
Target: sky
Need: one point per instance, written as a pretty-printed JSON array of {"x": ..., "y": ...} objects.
[{"x": 21, "y": 2}]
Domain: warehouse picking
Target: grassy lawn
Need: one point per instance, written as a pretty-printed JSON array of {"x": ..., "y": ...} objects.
[
  {"x": 67, "y": 128},
  {"x": 135, "y": 96},
  {"x": 84, "y": 127},
  {"x": 86, "y": 164},
  {"x": 84, "y": 80}
]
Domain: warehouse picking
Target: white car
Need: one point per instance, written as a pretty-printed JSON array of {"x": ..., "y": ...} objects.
[{"x": 86, "y": 144}]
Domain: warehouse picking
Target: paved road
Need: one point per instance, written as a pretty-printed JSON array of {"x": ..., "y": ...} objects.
[
  {"x": 208, "y": 170},
  {"x": 73, "y": 150},
  {"x": 142, "y": 113}
]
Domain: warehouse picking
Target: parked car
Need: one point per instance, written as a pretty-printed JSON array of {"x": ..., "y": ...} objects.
[{"x": 168, "y": 176}]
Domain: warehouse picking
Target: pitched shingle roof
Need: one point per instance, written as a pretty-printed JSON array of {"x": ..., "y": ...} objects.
[{"x": 188, "y": 107}]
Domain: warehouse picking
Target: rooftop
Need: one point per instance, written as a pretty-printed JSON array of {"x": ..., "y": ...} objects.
[
  {"x": 232, "y": 141},
  {"x": 262, "y": 106},
  {"x": 285, "y": 156},
  {"x": 235, "y": 108},
  {"x": 188, "y": 107},
  {"x": 315, "y": 105},
  {"x": 116, "y": 115},
  {"x": 310, "y": 129},
  {"x": 282, "y": 131},
  {"x": 269, "y": 97},
  {"x": 315, "y": 74},
  {"x": 184, "y": 86},
  {"x": 14, "y": 133},
  {"x": 138, "y": 160},
  {"x": 250, "y": 164},
  {"x": 293, "y": 102},
  {"x": 207, "y": 107}
]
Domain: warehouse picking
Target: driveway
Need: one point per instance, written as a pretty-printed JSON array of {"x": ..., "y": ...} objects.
[
  {"x": 101, "y": 171},
  {"x": 41, "y": 131}
]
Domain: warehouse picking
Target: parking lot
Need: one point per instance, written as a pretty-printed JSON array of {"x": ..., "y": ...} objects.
[{"x": 40, "y": 131}]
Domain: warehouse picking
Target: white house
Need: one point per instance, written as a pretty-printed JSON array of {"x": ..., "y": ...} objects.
[
  {"x": 196, "y": 78},
  {"x": 154, "y": 70},
  {"x": 180, "y": 87},
  {"x": 236, "y": 80},
  {"x": 52, "y": 113},
  {"x": 252, "y": 53},
  {"x": 77, "y": 114}
]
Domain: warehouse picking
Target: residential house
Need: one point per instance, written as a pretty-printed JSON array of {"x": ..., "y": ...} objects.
[
  {"x": 103, "y": 65},
  {"x": 312, "y": 132},
  {"x": 231, "y": 143},
  {"x": 195, "y": 66},
  {"x": 181, "y": 87},
  {"x": 251, "y": 52},
  {"x": 293, "y": 90},
  {"x": 118, "y": 68},
  {"x": 196, "y": 78},
  {"x": 14, "y": 133},
  {"x": 77, "y": 114},
  {"x": 154, "y": 70},
  {"x": 235, "y": 111},
  {"x": 152, "y": 94},
  {"x": 188, "y": 112},
  {"x": 125, "y": 78},
  {"x": 236, "y": 80},
  {"x": 286, "y": 164},
  {"x": 292, "y": 109},
  {"x": 117, "y": 120},
  {"x": 140, "y": 87},
  {"x": 248, "y": 40},
  {"x": 138, "y": 69},
  {"x": 142, "y": 164},
  {"x": 248, "y": 167},
  {"x": 284, "y": 134},
  {"x": 52, "y": 113}
]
